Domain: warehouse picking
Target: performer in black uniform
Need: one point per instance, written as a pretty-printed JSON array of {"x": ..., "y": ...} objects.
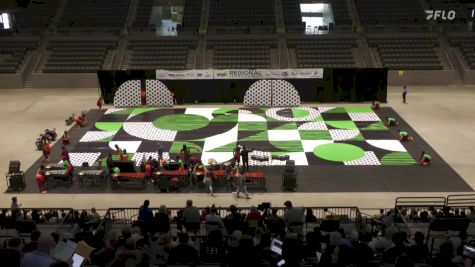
[{"x": 245, "y": 157}]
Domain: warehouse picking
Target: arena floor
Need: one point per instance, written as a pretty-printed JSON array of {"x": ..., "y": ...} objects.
[{"x": 441, "y": 116}]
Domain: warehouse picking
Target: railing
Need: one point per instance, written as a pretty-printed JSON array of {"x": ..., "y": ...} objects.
[
  {"x": 343, "y": 214},
  {"x": 420, "y": 202},
  {"x": 463, "y": 201}
]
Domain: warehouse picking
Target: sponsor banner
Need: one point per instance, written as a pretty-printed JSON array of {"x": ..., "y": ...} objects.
[
  {"x": 251, "y": 74},
  {"x": 269, "y": 74},
  {"x": 184, "y": 74}
]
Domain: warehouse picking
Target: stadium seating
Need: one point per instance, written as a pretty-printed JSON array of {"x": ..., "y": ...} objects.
[
  {"x": 466, "y": 44},
  {"x": 340, "y": 11},
  {"x": 13, "y": 51},
  {"x": 241, "y": 13},
  {"x": 38, "y": 14},
  {"x": 94, "y": 14},
  {"x": 323, "y": 51},
  {"x": 192, "y": 15},
  {"x": 160, "y": 53},
  {"x": 390, "y": 12},
  {"x": 241, "y": 53},
  {"x": 142, "y": 15},
  {"x": 77, "y": 54},
  {"x": 406, "y": 52}
]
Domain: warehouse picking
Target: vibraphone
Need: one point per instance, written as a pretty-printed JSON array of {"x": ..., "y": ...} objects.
[
  {"x": 62, "y": 175},
  {"x": 51, "y": 167},
  {"x": 128, "y": 178},
  {"x": 91, "y": 176}
]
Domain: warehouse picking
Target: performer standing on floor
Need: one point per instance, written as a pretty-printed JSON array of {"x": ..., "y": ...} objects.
[
  {"x": 404, "y": 94},
  {"x": 186, "y": 155},
  {"x": 245, "y": 157},
  {"x": 100, "y": 102},
  {"x": 237, "y": 153}
]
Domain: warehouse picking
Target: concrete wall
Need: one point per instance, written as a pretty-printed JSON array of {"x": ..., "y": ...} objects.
[
  {"x": 65, "y": 80},
  {"x": 11, "y": 81},
  {"x": 421, "y": 77},
  {"x": 469, "y": 77}
]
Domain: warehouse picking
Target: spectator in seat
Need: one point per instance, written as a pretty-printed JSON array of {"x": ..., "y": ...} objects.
[
  {"x": 213, "y": 250},
  {"x": 293, "y": 250},
  {"x": 234, "y": 220},
  {"x": 94, "y": 219},
  {"x": 419, "y": 251},
  {"x": 183, "y": 253},
  {"x": 274, "y": 223},
  {"x": 145, "y": 214},
  {"x": 445, "y": 256},
  {"x": 10, "y": 255},
  {"x": 254, "y": 220},
  {"x": 161, "y": 221},
  {"x": 293, "y": 217},
  {"x": 245, "y": 254},
  {"x": 391, "y": 254},
  {"x": 191, "y": 216},
  {"x": 213, "y": 221},
  {"x": 41, "y": 256},
  {"x": 33, "y": 244},
  {"x": 309, "y": 217}
]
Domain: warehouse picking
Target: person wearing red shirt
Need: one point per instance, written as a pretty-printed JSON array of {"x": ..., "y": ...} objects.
[
  {"x": 46, "y": 150},
  {"x": 100, "y": 102},
  {"x": 148, "y": 170},
  {"x": 64, "y": 153},
  {"x": 40, "y": 179},
  {"x": 123, "y": 155},
  {"x": 186, "y": 155},
  {"x": 143, "y": 97}
]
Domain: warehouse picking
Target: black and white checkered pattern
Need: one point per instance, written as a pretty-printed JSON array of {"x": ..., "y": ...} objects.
[
  {"x": 324, "y": 109},
  {"x": 128, "y": 94},
  {"x": 93, "y": 136},
  {"x": 315, "y": 125},
  {"x": 259, "y": 94},
  {"x": 147, "y": 131},
  {"x": 363, "y": 116},
  {"x": 158, "y": 94},
  {"x": 284, "y": 94},
  {"x": 368, "y": 159},
  {"x": 112, "y": 110},
  {"x": 77, "y": 159},
  {"x": 313, "y": 113},
  {"x": 139, "y": 156},
  {"x": 340, "y": 135}
]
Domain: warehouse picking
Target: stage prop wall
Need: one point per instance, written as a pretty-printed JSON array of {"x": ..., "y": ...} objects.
[{"x": 227, "y": 86}]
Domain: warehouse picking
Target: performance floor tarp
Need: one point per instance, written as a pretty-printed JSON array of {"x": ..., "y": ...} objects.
[{"x": 336, "y": 149}]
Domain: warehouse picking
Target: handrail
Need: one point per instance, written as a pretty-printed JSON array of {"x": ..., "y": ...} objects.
[
  {"x": 461, "y": 200},
  {"x": 420, "y": 202}
]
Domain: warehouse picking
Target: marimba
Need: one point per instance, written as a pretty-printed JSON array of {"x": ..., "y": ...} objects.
[
  {"x": 128, "y": 178},
  {"x": 91, "y": 176}
]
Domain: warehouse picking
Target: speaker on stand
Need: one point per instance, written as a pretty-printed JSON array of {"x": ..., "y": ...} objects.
[
  {"x": 15, "y": 178},
  {"x": 289, "y": 177}
]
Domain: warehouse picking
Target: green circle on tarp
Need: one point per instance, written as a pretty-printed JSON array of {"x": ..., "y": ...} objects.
[
  {"x": 300, "y": 113},
  {"x": 338, "y": 152},
  {"x": 181, "y": 122}
]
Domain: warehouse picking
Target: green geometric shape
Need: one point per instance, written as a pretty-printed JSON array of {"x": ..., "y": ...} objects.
[
  {"x": 288, "y": 146},
  {"x": 359, "y": 137},
  {"x": 226, "y": 148},
  {"x": 359, "y": 109},
  {"x": 338, "y": 152},
  {"x": 299, "y": 113},
  {"x": 336, "y": 110},
  {"x": 315, "y": 135},
  {"x": 348, "y": 125},
  {"x": 225, "y": 118},
  {"x": 180, "y": 122},
  {"x": 262, "y": 136},
  {"x": 106, "y": 140},
  {"x": 223, "y": 111},
  {"x": 252, "y": 126},
  {"x": 137, "y": 111},
  {"x": 377, "y": 126},
  {"x": 108, "y": 126},
  {"x": 287, "y": 126},
  {"x": 126, "y": 111},
  {"x": 192, "y": 147},
  {"x": 397, "y": 158}
]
